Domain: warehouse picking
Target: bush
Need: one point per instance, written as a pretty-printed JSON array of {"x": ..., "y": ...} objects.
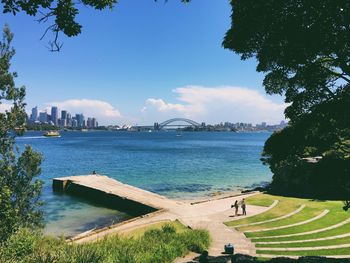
[{"x": 156, "y": 245}]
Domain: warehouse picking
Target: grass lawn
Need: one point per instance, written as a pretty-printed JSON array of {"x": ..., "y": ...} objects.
[
  {"x": 304, "y": 214},
  {"x": 331, "y": 242},
  {"x": 323, "y": 252},
  {"x": 287, "y": 205},
  {"x": 328, "y": 233},
  {"x": 335, "y": 216}
]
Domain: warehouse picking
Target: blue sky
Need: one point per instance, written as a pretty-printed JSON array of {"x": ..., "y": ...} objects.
[{"x": 144, "y": 61}]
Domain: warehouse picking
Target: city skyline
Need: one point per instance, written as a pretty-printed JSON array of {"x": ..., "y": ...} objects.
[{"x": 64, "y": 119}]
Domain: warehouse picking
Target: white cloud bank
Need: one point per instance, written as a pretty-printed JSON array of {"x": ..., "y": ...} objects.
[
  {"x": 5, "y": 107},
  {"x": 216, "y": 104},
  {"x": 102, "y": 110}
]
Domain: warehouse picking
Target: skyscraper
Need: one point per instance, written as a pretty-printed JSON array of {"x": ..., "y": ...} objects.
[
  {"x": 94, "y": 123},
  {"x": 43, "y": 117},
  {"x": 64, "y": 114},
  {"x": 34, "y": 115},
  {"x": 54, "y": 115},
  {"x": 80, "y": 120}
]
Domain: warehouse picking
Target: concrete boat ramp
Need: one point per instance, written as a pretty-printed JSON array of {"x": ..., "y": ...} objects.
[
  {"x": 113, "y": 193},
  {"x": 152, "y": 208}
]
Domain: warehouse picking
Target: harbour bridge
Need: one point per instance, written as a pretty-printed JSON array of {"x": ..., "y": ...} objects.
[{"x": 171, "y": 124}]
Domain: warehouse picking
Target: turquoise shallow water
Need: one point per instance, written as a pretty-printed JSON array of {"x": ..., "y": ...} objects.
[{"x": 190, "y": 166}]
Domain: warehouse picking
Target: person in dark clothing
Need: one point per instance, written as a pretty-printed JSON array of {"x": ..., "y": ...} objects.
[
  {"x": 243, "y": 205},
  {"x": 236, "y": 207},
  {"x": 204, "y": 257}
]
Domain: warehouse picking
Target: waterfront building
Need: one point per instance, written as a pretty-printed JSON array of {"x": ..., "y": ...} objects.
[
  {"x": 69, "y": 120},
  {"x": 89, "y": 123},
  {"x": 54, "y": 115},
  {"x": 34, "y": 116},
  {"x": 80, "y": 120}
]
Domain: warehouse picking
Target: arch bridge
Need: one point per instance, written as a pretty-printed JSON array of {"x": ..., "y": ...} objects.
[{"x": 169, "y": 123}]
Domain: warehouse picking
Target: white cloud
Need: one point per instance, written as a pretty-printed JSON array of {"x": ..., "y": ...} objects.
[
  {"x": 5, "y": 107},
  {"x": 216, "y": 104},
  {"x": 102, "y": 110}
]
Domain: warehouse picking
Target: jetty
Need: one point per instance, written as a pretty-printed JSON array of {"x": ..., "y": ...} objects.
[{"x": 112, "y": 193}]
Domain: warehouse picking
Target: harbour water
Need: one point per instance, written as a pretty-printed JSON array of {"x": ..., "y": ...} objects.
[{"x": 193, "y": 165}]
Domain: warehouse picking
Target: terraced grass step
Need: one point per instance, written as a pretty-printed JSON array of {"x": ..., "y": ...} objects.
[
  {"x": 292, "y": 225},
  {"x": 330, "y": 241},
  {"x": 334, "y": 230},
  {"x": 321, "y": 252},
  {"x": 286, "y": 243},
  {"x": 281, "y": 209},
  {"x": 334, "y": 217},
  {"x": 244, "y": 226}
]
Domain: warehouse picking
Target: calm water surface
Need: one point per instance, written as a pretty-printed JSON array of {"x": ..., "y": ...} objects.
[{"x": 193, "y": 165}]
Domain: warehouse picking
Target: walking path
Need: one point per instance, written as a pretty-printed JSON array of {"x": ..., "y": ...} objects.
[
  {"x": 291, "y": 225},
  {"x": 274, "y": 219}
]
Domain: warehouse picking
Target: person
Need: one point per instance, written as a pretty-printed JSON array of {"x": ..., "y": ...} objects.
[
  {"x": 236, "y": 207},
  {"x": 244, "y": 212},
  {"x": 94, "y": 172},
  {"x": 203, "y": 258}
]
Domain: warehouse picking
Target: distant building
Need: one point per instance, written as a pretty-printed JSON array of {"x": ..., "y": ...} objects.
[
  {"x": 54, "y": 115},
  {"x": 80, "y": 120},
  {"x": 69, "y": 119},
  {"x": 94, "y": 123},
  {"x": 34, "y": 116},
  {"x": 64, "y": 114},
  {"x": 43, "y": 117},
  {"x": 91, "y": 123}
]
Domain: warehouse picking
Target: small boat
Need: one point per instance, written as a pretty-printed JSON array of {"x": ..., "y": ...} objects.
[
  {"x": 51, "y": 134},
  {"x": 84, "y": 130}
]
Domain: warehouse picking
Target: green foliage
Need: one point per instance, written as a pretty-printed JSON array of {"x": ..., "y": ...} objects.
[
  {"x": 324, "y": 132},
  {"x": 303, "y": 48},
  {"x": 20, "y": 192},
  {"x": 156, "y": 245}
]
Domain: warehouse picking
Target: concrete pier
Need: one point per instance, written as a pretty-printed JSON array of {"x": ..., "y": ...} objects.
[{"x": 112, "y": 193}]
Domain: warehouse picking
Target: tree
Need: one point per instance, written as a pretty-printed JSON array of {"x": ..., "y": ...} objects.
[
  {"x": 303, "y": 48},
  {"x": 59, "y": 14},
  {"x": 20, "y": 192}
]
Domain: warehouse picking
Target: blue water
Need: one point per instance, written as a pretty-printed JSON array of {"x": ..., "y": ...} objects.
[{"x": 191, "y": 166}]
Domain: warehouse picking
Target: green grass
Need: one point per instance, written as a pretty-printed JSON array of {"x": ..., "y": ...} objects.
[
  {"x": 332, "y": 242},
  {"x": 154, "y": 245},
  {"x": 328, "y": 233},
  {"x": 260, "y": 200},
  {"x": 335, "y": 216},
  {"x": 304, "y": 214},
  {"x": 285, "y": 206},
  {"x": 139, "y": 232},
  {"x": 323, "y": 252}
]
